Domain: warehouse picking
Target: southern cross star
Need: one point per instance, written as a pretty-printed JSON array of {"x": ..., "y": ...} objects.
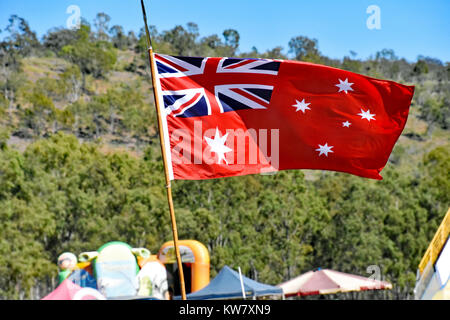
[
  {"x": 324, "y": 149},
  {"x": 346, "y": 124},
  {"x": 344, "y": 85},
  {"x": 366, "y": 115},
  {"x": 301, "y": 105},
  {"x": 218, "y": 146}
]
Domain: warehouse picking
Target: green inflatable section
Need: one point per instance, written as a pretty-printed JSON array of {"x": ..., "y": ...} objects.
[{"x": 63, "y": 274}]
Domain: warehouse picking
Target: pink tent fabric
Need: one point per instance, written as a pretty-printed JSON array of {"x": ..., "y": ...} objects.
[
  {"x": 68, "y": 290},
  {"x": 329, "y": 281}
]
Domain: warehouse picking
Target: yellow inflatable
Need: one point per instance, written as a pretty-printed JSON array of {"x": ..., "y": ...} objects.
[{"x": 195, "y": 259}]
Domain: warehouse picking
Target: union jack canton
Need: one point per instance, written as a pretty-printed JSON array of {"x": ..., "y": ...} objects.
[{"x": 197, "y": 86}]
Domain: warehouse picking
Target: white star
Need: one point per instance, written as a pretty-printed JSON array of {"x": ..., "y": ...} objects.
[
  {"x": 366, "y": 115},
  {"x": 218, "y": 146},
  {"x": 344, "y": 85},
  {"x": 324, "y": 149},
  {"x": 301, "y": 105},
  {"x": 346, "y": 124}
]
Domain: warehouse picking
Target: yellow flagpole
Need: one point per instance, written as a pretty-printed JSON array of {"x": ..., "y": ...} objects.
[{"x": 164, "y": 156}]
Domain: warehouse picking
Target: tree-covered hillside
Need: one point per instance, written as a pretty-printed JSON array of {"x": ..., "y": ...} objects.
[{"x": 80, "y": 165}]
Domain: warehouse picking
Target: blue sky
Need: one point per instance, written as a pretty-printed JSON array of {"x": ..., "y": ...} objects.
[{"x": 409, "y": 27}]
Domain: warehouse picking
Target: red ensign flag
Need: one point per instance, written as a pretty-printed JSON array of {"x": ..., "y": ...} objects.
[{"x": 227, "y": 117}]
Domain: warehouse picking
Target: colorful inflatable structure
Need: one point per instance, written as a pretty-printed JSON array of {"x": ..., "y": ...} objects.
[{"x": 118, "y": 271}]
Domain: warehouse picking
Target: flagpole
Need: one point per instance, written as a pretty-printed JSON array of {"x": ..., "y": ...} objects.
[
  {"x": 242, "y": 283},
  {"x": 164, "y": 156}
]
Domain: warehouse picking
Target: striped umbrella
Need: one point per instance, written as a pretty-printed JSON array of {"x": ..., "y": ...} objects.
[{"x": 329, "y": 281}]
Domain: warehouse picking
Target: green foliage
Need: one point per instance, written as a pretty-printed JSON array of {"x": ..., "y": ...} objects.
[
  {"x": 232, "y": 38},
  {"x": 4, "y": 137},
  {"x": 182, "y": 41},
  {"x": 275, "y": 53},
  {"x": 436, "y": 112},
  {"x": 21, "y": 40},
  {"x": 119, "y": 39},
  {"x": 352, "y": 65},
  {"x": 387, "y": 224},
  {"x": 101, "y": 22},
  {"x": 386, "y": 54},
  {"x": 3, "y": 105},
  {"x": 41, "y": 113},
  {"x": 305, "y": 49},
  {"x": 62, "y": 195},
  {"x": 421, "y": 67},
  {"x": 58, "y": 38},
  {"x": 436, "y": 181},
  {"x": 71, "y": 82},
  {"x": 53, "y": 88},
  {"x": 96, "y": 58}
]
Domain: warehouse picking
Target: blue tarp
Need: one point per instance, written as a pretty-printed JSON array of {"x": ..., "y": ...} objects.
[{"x": 227, "y": 285}]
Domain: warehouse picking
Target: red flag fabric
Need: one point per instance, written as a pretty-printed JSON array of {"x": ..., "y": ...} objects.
[{"x": 227, "y": 117}]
